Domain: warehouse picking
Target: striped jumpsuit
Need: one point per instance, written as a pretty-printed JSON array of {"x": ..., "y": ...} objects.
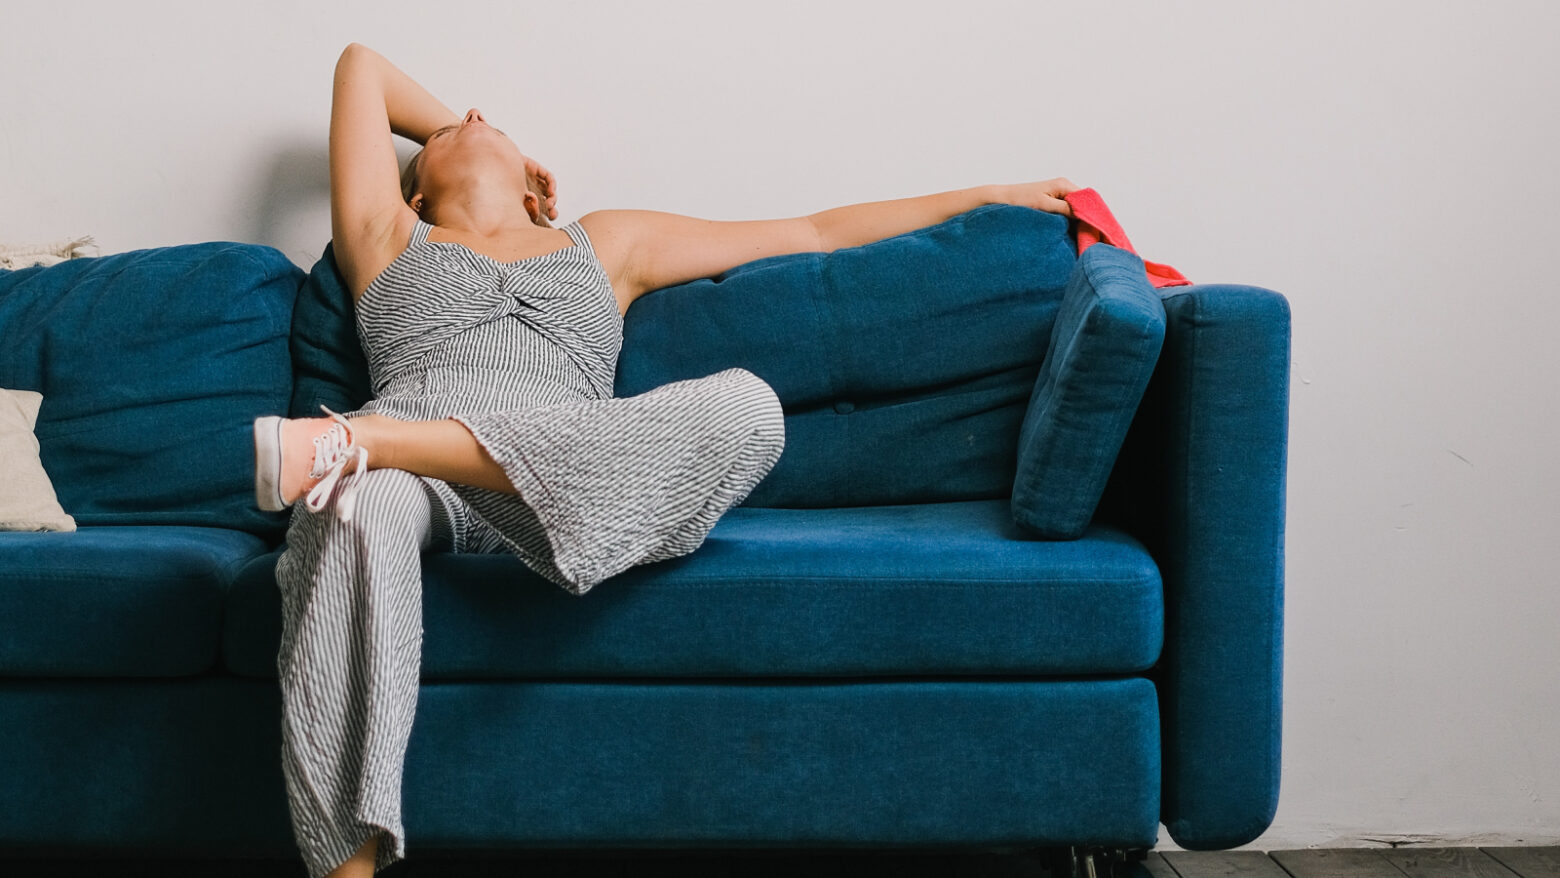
[{"x": 523, "y": 354}]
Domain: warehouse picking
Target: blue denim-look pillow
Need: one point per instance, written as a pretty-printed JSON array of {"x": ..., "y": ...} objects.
[
  {"x": 904, "y": 366},
  {"x": 153, "y": 365},
  {"x": 328, "y": 363},
  {"x": 1104, "y": 346}
]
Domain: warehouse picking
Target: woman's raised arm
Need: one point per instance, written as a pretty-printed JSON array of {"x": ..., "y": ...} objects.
[{"x": 372, "y": 99}]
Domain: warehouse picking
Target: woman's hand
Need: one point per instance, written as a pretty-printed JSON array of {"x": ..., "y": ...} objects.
[
  {"x": 548, "y": 186},
  {"x": 1045, "y": 195}
]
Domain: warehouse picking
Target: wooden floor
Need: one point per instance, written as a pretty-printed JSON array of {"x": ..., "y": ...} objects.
[{"x": 1402, "y": 862}]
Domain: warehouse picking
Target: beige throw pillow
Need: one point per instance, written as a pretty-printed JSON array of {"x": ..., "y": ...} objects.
[{"x": 27, "y": 499}]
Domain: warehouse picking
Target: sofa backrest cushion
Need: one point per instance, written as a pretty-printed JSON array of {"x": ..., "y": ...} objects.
[
  {"x": 153, "y": 365},
  {"x": 904, "y": 366},
  {"x": 329, "y": 367}
]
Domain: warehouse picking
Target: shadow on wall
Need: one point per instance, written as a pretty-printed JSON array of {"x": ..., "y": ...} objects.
[{"x": 291, "y": 208}]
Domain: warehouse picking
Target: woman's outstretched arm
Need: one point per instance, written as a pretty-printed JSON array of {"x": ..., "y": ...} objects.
[
  {"x": 858, "y": 224},
  {"x": 659, "y": 249}
]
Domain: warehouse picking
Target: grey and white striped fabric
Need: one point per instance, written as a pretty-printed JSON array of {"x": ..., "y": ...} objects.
[{"x": 523, "y": 354}]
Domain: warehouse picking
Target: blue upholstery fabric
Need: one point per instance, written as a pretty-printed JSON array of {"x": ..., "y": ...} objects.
[
  {"x": 329, "y": 367},
  {"x": 1202, "y": 483},
  {"x": 193, "y": 766},
  {"x": 159, "y": 768},
  {"x": 116, "y": 601},
  {"x": 153, "y": 364},
  {"x": 1104, "y": 346},
  {"x": 904, "y": 366},
  {"x": 941, "y": 588}
]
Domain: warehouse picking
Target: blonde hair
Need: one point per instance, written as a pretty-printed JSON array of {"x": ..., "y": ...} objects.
[{"x": 409, "y": 188}]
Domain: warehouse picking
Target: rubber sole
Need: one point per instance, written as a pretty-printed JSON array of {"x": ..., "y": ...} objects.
[{"x": 268, "y": 464}]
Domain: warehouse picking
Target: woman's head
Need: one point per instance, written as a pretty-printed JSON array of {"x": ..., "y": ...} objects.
[{"x": 470, "y": 154}]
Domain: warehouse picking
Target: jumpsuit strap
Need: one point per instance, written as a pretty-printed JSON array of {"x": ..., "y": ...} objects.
[{"x": 420, "y": 232}]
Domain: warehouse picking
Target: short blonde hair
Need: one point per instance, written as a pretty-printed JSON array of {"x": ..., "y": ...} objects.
[{"x": 409, "y": 188}]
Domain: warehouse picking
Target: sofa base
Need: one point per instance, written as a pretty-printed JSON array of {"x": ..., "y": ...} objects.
[{"x": 191, "y": 767}]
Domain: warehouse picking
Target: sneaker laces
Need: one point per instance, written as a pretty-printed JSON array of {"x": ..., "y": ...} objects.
[{"x": 333, "y": 450}]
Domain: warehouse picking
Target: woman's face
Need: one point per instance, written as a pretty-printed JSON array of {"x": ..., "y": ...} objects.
[{"x": 466, "y": 153}]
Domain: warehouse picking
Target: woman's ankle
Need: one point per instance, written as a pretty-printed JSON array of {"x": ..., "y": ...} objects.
[{"x": 376, "y": 433}]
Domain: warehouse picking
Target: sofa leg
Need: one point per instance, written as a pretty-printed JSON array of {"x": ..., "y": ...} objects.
[{"x": 1093, "y": 862}]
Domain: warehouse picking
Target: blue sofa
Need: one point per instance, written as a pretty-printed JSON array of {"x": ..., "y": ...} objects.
[{"x": 867, "y": 653}]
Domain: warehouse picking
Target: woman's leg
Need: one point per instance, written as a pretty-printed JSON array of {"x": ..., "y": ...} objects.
[
  {"x": 607, "y": 484},
  {"x": 362, "y": 863},
  {"x": 349, "y": 663},
  {"x": 442, "y": 449}
]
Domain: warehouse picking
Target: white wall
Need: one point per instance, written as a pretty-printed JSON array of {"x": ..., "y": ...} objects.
[{"x": 1390, "y": 167}]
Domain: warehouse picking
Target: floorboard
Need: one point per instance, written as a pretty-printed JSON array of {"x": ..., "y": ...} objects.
[
  {"x": 1336, "y": 863},
  {"x": 1156, "y": 867},
  {"x": 1446, "y": 863},
  {"x": 1532, "y": 862},
  {"x": 1223, "y": 864}
]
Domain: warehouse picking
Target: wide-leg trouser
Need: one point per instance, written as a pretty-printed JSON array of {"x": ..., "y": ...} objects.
[{"x": 352, "y": 592}]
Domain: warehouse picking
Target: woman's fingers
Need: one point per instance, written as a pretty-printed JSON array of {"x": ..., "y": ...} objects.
[
  {"x": 1063, "y": 186},
  {"x": 1046, "y": 195},
  {"x": 540, "y": 172},
  {"x": 552, "y": 193},
  {"x": 1057, "y": 205},
  {"x": 549, "y": 184},
  {"x": 1053, "y": 195}
]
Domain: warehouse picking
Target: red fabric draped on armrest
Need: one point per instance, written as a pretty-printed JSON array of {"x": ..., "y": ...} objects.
[{"x": 1095, "y": 223}]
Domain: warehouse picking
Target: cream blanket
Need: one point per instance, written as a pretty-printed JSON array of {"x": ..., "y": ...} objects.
[{"x": 26, "y": 255}]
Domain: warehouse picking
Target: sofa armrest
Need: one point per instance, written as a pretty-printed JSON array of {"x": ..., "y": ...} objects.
[{"x": 1201, "y": 482}]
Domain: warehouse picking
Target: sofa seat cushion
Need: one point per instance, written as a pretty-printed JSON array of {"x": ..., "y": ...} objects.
[
  {"x": 935, "y": 588},
  {"x": 132, "y": 601}
]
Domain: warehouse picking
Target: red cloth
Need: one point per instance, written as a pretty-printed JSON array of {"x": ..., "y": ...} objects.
[{"x": 1095, "y": 222}]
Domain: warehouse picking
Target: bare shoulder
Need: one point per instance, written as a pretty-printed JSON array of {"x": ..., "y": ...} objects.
[
  {"x": 650, "y": 250},
  {"x": 365, "y": 253},
  {"x": 613, "y": 234}
]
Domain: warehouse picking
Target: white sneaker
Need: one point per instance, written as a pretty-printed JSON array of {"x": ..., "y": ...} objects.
[{"x": 283, "y": 471}]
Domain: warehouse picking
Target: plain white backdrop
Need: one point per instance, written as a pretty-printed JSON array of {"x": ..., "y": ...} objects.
[{"x": 1388, "y": 166}]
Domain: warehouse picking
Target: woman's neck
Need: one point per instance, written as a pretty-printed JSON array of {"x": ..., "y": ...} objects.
[{"x": 491, "y": 211}]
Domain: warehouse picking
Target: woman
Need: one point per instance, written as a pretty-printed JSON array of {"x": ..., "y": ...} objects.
[{"x": 492, "y": 341}]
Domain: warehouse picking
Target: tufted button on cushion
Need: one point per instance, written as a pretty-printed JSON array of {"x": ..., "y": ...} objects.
[{"x": 844, "y": 407}]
